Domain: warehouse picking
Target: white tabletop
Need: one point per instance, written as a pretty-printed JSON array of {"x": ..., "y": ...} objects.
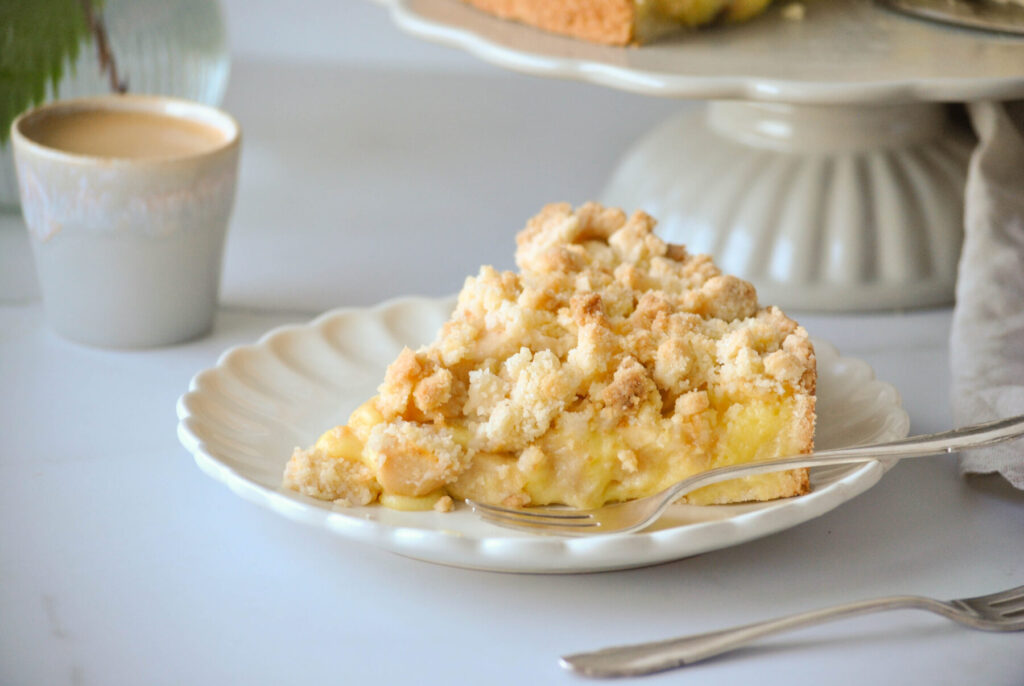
[{"x": 363, "y": 179}]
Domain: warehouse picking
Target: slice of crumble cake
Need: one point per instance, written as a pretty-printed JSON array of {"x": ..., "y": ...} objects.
[
  {"x": 620, "y": 22},
  {"x": 610, "y": 366}
]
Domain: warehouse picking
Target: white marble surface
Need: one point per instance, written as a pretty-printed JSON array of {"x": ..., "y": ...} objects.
[{"x": 120, "y": 563}]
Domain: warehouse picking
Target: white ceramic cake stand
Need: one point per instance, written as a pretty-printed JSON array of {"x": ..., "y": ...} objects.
[{"x": 826, "y": 168}]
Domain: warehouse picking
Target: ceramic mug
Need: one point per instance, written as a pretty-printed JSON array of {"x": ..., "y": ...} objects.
[{"x": 128, "y": 248}]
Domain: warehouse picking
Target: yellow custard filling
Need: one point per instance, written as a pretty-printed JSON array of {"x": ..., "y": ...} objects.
[
  {"x": 616, "y": 465},
  {"x": 655, "y": 18}
]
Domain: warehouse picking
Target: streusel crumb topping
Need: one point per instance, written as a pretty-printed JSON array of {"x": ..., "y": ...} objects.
[{"x": 622, "y": 320}]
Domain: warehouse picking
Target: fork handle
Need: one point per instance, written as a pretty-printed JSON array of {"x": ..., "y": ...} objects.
[
  {"x": 964, "y": 438},
  {"x": 645, "y": 658}
]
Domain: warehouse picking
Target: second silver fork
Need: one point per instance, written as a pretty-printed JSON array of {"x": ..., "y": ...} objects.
[
  {"x": 1002, "y": 611},
  {"x": 634, "y": 515}
]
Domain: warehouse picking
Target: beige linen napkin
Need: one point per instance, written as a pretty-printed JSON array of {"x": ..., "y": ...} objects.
[{"x": 987, "y": 341}]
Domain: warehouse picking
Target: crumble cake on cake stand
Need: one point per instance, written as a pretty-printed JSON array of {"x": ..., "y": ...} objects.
[{"x": 827, "y": 167}]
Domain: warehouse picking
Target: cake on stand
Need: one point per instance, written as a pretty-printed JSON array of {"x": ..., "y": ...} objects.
[{"x": 828, "y": 167}]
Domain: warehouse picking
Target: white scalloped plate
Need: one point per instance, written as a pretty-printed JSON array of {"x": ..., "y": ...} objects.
[
  {"x": 844, "y": 52},
  {"x": 241, "y": 419}
]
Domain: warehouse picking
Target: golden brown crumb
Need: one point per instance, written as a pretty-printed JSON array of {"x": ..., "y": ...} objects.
[
  {"x": 728, "y": 297},
  {"x": 630, "y": 387},
  {"x": 399, "y": 380},
  {"x": 434, "y": 391},
  {"x": 317, "y": 474}
]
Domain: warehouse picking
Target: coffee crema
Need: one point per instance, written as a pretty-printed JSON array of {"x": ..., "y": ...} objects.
[{"x": 123, "y": 134}]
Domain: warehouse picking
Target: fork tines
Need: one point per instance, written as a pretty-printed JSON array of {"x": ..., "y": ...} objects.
[{"x": 526, "y": 517}]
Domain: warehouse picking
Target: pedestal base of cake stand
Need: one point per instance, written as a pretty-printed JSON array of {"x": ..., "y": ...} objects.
[{"x": 829, "y": 208}]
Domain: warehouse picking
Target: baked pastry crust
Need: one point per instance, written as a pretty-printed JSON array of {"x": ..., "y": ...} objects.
[
  {"x": 612, "y": 365},
  {"x": 619, "y": 22},
  {"x": 598, "y": 21}
]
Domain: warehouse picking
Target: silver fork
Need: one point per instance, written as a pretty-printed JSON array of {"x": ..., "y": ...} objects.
[
  {"x": 633, "y": 515},
  {"x": 1003, "y": 611}
]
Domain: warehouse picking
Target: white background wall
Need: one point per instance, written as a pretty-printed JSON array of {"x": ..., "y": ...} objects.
[{"x": 340, "y": 31}]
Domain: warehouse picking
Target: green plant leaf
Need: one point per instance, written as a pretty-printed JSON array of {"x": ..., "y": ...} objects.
[{"x": 39, "y": 39}]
